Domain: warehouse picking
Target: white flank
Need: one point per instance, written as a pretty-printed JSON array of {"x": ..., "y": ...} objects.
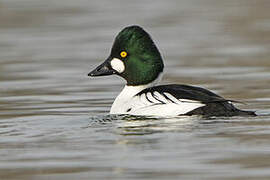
[
  {"x": 118, "y": 65},
  {"x": 170, "y": 109}
]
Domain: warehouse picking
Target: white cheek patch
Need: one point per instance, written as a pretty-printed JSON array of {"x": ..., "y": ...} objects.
[{"x": 118, "y": 65}]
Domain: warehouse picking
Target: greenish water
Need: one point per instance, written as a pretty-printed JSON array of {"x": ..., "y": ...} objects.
[{"x": 54, "y": 121}]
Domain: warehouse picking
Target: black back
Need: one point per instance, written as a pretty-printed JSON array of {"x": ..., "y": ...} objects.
[
  {"x": 215, "y": 105},
  {"x": 186, "y": 92}
]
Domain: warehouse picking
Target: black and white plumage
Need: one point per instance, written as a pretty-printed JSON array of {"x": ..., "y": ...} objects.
[
  {"x": 173, "y": 100},
  {"x": 213, "y": 104}
]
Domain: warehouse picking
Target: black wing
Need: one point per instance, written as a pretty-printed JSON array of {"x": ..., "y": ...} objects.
[
  {"x": 215, "y": 105},
  {"x": 186, "y": 92}
]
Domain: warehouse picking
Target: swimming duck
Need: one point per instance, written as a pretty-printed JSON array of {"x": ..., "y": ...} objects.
[{"x": 135, "y": 57}]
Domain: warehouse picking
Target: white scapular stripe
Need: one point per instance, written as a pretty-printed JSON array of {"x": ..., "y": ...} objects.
[
  {"x": 172, "y": 98},
  {"x": 144, "y": 100},
  {"x": 151, "y": 98},
  {"x": 160, "y": 97},
  {"x": 118, "y": 65}
]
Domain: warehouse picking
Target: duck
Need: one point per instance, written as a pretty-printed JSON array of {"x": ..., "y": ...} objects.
[{"x": 135, "y": 57}]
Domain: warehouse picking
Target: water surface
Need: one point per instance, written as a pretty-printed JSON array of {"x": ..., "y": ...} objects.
[{"x": 54, "y": 121}]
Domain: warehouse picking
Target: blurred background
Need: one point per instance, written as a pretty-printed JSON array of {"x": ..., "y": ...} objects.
[{"x": 47, "y": 101}]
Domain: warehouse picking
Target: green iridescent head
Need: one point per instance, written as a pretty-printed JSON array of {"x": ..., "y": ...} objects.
[{"x": 134, "y": 56}]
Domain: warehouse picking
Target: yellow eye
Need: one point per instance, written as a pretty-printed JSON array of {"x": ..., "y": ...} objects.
[{"x": 123, "y": 54}]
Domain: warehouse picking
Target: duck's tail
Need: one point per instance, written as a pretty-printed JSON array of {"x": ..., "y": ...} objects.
[{"x": 246, "y": 113}]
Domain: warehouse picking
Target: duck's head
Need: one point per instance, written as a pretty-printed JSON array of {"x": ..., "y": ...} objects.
[{"x": 134, "y": 56}]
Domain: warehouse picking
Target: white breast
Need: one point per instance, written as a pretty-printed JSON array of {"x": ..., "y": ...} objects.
[{"x": 124, "y": 100}]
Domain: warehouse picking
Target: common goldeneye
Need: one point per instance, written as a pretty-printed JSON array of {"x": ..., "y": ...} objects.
[{"x": 136, "y": 58}]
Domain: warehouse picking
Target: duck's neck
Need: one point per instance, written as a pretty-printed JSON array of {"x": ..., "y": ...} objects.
[
  {"x": 133, "y": 90},
  {"x": 128, "y": 92}
]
